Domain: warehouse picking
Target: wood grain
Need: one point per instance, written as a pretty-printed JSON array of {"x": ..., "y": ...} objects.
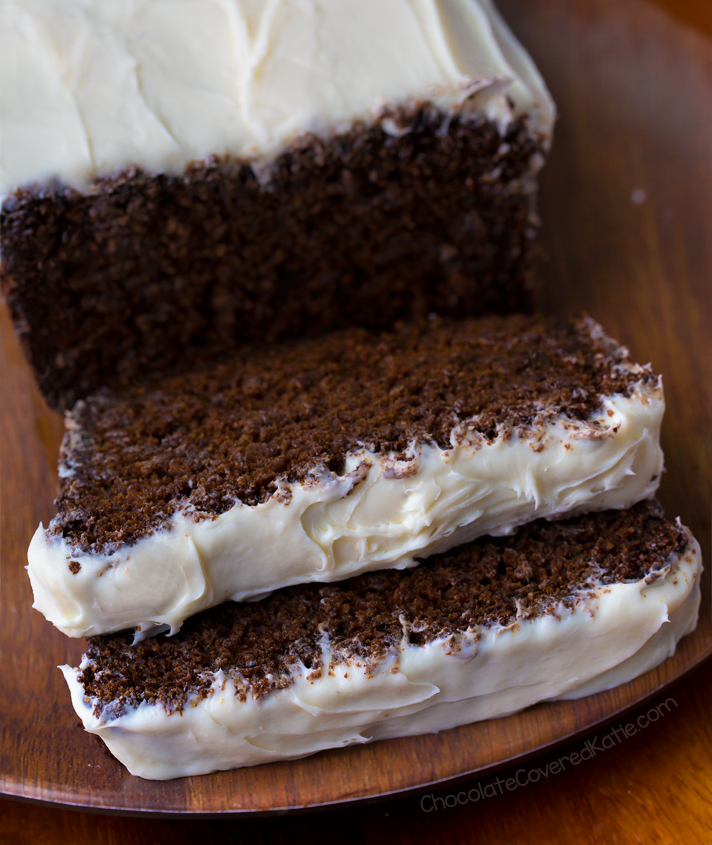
[{"x": 634, "y": 86}]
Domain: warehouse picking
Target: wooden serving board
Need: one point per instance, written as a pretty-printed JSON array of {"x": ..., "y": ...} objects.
[{"x": 627, "y": 202}]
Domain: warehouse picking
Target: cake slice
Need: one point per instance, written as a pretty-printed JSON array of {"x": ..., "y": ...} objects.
[
  {"x": 181, "y": 178},
  {"x": 317, "y": 460},
  {"x": 562, "y": 609}
]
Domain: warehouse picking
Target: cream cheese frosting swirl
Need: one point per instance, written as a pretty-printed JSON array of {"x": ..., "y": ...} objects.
[{"x": 89, "y": 87}]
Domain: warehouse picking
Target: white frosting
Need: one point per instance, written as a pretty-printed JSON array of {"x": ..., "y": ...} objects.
[
  {"x": 611, "y": 637},
  {"x": 91, "y": 86},
  {"x": 379, "y": 514}
]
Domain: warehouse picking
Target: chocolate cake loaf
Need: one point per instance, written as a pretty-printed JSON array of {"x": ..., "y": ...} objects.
[
  {"x": 210, "y": 174},
  {"x": 264, "y": 252},
  {"x": 315, "y": 460},
  {"x": 562, "y": 609}
]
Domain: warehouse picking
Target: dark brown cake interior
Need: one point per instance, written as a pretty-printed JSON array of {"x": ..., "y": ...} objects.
[
  {"x": 487, "y": 582},
  {"x": 201, "y": 442},
  {"x": 147, "y": 274}
]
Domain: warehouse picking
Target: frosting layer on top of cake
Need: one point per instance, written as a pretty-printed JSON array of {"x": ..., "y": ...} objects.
[
  {"x": 560, "y": 610},
  {"x": 323, "y": 459},
  {"x": 88, "y": 87}
]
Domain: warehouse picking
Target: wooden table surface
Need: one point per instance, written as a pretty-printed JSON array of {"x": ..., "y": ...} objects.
[{"x": 627, "y": 205}]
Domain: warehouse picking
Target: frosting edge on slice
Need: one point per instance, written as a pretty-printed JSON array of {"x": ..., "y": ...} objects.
[
  {"x": 422, "y": 688},
  {"x": 378, "y": 514}
]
